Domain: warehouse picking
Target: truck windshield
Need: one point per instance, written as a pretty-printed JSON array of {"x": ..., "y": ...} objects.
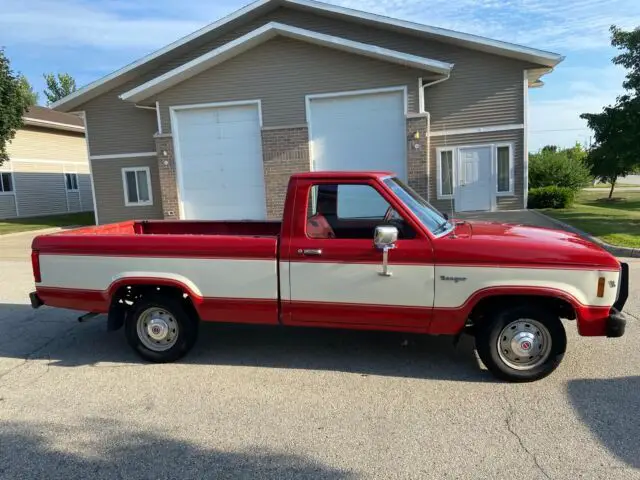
[{"x": 428, "y": 216}]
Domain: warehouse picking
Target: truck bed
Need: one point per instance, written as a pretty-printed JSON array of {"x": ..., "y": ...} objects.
[{"x": 220, "y": 264}]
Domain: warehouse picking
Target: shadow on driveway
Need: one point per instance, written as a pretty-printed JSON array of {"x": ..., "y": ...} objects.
[
  {"x": 55, "y": 334},
  {"x": 111, "y": 451},
  {"x": 611, "y": 409}
]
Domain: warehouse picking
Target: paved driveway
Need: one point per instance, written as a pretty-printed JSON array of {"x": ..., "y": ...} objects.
[{"x": 270, "y": 403}]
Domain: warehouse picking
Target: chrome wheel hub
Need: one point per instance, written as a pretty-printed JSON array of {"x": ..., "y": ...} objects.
[
  {"x": 524, "y": 344},
  {"x": 157, "y": 329}
]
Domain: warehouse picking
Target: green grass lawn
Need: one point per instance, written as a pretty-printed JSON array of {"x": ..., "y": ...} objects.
[
  {"x": 37, "y": 223},
  {"x": 615, "y": 221}
]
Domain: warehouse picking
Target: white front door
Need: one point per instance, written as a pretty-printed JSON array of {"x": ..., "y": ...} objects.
[
  {"x": 219, "y": 154},
  {"x": 474, "y": 192},
  {"x": 363, "y": 131}
]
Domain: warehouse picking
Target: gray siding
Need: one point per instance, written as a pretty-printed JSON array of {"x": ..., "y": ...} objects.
[
  {"x": 281, "y": 72},
  {"x": 40, "y": 192},
  {"x": 516, "y": 137},
  {"x": 7, "y": 206},
  {"x": 107, "y": 175},
  {"x": 73, "y": 201},
  {"x": 483, "y": 90},
  {"x": 84, "y": 182}
]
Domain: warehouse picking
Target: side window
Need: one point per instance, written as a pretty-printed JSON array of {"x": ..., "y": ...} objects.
[{"x": 349, "y": 211}]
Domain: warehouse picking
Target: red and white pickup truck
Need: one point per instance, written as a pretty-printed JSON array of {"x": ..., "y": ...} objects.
[{"x": 357, "y": 250}]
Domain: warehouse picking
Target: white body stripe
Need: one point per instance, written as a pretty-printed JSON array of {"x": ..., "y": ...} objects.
[
  {"x": 409, "y": 285},
  {"x": 227, "y": 278},
  {"x": 580, "y": 284}
]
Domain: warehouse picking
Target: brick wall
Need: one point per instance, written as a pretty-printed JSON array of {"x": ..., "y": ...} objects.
[
  {"x": 167, "y": 173},
  {"x": 285, "y": 151},
  {"x": 417, "y": 174}
]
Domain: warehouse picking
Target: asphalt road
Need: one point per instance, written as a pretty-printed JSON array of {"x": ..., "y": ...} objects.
[{"x": 75, "y": 402}]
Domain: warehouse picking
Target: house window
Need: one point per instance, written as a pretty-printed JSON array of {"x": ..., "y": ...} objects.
[
  {"x": 504, "y": 161},
  {"x": 6, "y": 182},
  {"x": 445, "y": 173},
  {"x": 137, "y": 186},
  {"x": 71, "y": 181}
]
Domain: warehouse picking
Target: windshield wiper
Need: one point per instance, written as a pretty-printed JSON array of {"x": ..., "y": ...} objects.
[{"x": 442, "y": 227}]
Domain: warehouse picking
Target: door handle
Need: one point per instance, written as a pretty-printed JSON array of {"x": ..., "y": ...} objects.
[{"x": 310, "y": 252}]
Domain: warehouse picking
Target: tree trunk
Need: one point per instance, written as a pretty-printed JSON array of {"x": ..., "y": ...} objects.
[{"x": 613, "y": 185}]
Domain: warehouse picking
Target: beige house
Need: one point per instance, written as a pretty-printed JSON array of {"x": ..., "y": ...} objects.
[
  {"x": 212, "y": 125},
  {"x": 48, "y": 168}
]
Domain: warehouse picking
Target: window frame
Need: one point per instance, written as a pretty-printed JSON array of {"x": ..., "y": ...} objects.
[
  {"x": 66, "y": 186},
  {"x": 13, "y": 184},
  {"x": 454, "y": 172},
  {"x": 139, "y": 203},
  {"x": 510, "y": 146}
]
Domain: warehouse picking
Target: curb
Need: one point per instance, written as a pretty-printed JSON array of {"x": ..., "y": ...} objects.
[{"x": 612, "y": 249}]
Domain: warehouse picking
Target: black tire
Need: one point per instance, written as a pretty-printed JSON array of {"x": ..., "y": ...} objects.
[
  {"x": 187, "y": 331},
  {"x": 488, "y": 335}
]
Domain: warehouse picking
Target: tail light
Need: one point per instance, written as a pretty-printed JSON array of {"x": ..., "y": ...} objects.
[{"x": 35, "y": 264}]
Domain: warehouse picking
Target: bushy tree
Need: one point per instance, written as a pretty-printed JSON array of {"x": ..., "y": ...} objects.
[
  {"x": 13, "y": 105},
  {"x": 616, "y": 129},
  {"x": 559, "y": 167},
  {"x": 27, "y": 90},
  {"x": 58, "y": 86}
]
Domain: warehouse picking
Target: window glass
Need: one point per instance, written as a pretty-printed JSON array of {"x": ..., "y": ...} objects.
[
  {"x": 504, "y": 169},
  {"x": 143, "y": 185},
  {"x": 71, "y": 180},
  {"x": 446, "y": 172},
  {"x": 6, "y": 185},
  {"x": 132, "y": 190}
]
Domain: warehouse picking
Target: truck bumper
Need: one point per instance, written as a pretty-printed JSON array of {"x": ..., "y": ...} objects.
[
  {"x": 36, "y": 302},
  {"x": 616, "y": 322}
]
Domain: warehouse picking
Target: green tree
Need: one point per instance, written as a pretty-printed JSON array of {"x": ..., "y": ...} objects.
[
  {"x": 559, "y": 167},
  {"x": 58, "y": 86},
  {"x": 13, "y": 105},
  {"x": 27, "y": 90},
  {"x": 616, "y": 151}
]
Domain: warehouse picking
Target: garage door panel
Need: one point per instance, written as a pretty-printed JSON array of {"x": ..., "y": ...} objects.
[
  {"x": 221, "y": 173},
  {"x": 359, "y": 132}
]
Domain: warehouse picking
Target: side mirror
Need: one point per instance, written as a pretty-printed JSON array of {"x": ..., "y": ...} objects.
[{"x": 385, "y": 237}]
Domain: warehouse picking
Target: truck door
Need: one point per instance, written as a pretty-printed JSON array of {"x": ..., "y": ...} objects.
[{"x": 335, "y": 271}]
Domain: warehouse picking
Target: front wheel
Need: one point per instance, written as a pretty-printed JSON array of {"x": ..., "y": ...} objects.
[
  {"x": 521, "y": 344},
  {"x": 160, "y": 329}
]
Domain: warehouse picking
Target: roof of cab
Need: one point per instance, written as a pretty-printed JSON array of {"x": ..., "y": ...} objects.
[{"x": 357, "y": 174}]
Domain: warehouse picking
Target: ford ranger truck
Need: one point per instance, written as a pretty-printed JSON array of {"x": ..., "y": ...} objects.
[{"x": 354, "y": 250}]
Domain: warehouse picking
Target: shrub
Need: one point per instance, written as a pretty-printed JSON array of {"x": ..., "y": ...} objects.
[
  {"x": 562, "y": 168},
  {"x": 551, "y": 197}
]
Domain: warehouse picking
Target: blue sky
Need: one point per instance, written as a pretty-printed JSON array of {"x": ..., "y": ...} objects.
[{"x": 92, "y": 38}]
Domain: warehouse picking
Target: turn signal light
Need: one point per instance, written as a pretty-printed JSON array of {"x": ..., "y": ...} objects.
[
  {"x": 601, "y": 287},
  {"x": 35, "y": 264}
]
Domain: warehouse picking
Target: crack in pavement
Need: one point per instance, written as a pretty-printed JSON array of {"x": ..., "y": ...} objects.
[{"x": 510, "y": 410}]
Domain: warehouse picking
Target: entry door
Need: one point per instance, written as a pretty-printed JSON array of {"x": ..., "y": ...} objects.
[
  {"x": 335, "y": 270},
  {"x": 474, "y": 190},
  {"x": 219, "y": 153}
]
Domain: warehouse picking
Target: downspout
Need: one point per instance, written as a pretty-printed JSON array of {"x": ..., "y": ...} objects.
[{"x": 423, "y": 111}]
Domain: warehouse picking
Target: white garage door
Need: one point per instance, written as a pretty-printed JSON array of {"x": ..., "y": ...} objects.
[
  {"x": 220, "y": 174},
  {"x": 359, "y": 132}
]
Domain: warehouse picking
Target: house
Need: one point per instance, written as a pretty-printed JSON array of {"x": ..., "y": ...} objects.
[
  {"x": 212, "y": 125},
  {"x": 48, "y": 168}
]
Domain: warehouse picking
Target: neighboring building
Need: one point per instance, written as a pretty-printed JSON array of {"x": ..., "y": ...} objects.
[
  {"x": 212, "y": 125},
  {"x": 48, "y": 169}
]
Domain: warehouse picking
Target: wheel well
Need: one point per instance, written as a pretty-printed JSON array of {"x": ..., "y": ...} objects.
[
  {"x": 559, "y": 306},
  {"x": 125, "y": 297}
]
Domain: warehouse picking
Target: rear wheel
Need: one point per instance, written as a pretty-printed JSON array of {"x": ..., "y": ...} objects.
[
  {"x": 521, "y": 344},
  {"x": 160, "y": 329}
]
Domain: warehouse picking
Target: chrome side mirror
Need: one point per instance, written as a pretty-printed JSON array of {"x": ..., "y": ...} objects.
[{"x": 385, "y": 239}]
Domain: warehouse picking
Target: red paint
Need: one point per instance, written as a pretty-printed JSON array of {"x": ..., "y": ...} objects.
[
  {"x": 35, "y": 266},
  {"x": 481, "y": 244}
]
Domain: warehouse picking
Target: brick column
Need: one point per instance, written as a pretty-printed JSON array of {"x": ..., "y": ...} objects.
[
  {"x": 285, "y": 151},
  {"x": 167, "y": 172},
  {"x": 417, "y": 173}
]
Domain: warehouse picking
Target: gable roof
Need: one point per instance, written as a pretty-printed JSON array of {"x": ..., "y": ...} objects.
[
  {"x": 267, "y": 32},
  {"x": 46, "y": 118},
  {"x": 540, "y": 57}
]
